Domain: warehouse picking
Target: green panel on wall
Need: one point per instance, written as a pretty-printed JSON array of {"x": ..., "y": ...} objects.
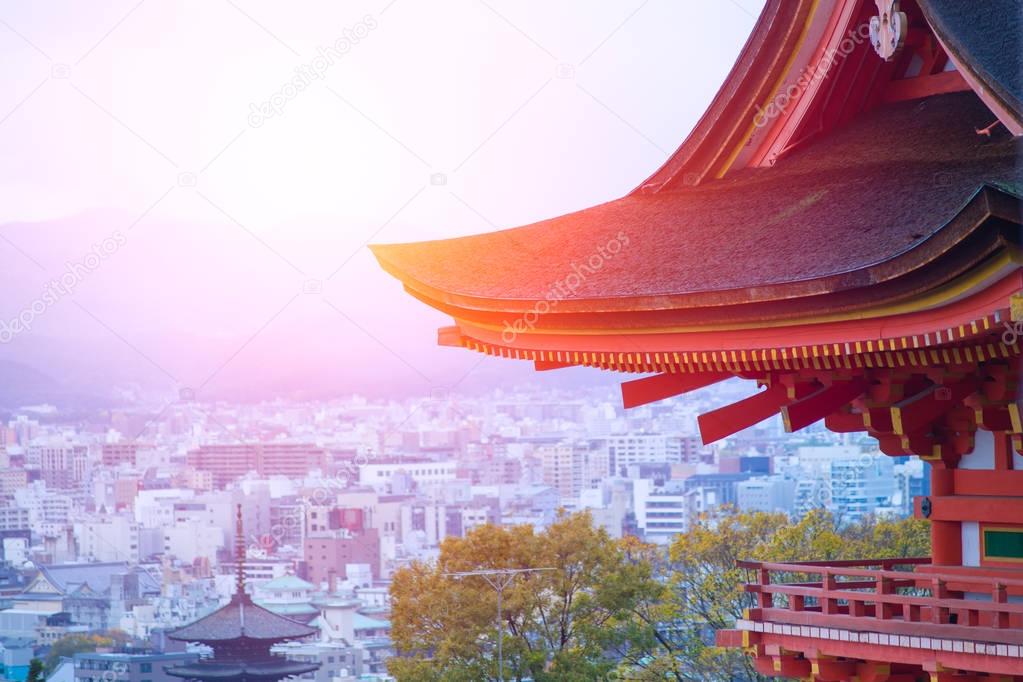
[{"x": 1003, "y": 544}]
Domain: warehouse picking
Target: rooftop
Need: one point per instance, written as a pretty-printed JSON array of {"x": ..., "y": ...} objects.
[
  {"x": 364, "y": 622},
  {"x": 287, "y": 582},
  {"x": 241, "y": 618},
  {"x": 861, "y": 207},
  {"x": 269, "y": 670},
  {"x": 135, "y": 656},
  {"x": 68, "y": 578}
]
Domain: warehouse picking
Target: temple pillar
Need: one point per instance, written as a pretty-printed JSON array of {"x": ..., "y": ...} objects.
[{"x": 946, "y": 536}]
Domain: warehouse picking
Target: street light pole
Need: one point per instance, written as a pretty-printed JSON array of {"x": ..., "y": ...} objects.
[
  {"x": 498, "y": 579},
  {"x": 500, "y": 633}
]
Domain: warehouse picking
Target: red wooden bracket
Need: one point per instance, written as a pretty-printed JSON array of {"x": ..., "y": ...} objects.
[
  {"x": 547, "y": 365},
  {"x": 660, "y": 386},
  {"x": 821, "y": 403},
  {"x": 449, "y": 336},
  {"x": 919, "y": 411},
  {"x": 725, "y": 421}
]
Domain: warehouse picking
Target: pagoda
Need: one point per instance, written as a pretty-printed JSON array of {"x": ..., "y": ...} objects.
[
  {"x": 241, "y": 634},
  {"x": 843, "y": 228}
]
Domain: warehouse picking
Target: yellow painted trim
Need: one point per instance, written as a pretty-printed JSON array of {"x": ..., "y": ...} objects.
[
  {"x": 917, "y": 358},
  {"x": 925, "y": 301}
]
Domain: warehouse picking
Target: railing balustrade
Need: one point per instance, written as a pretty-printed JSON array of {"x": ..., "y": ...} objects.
[{"x": 873, "y": 595}]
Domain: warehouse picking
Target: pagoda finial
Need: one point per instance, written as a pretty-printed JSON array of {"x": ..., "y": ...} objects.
[{"x": 239, "y": 553}]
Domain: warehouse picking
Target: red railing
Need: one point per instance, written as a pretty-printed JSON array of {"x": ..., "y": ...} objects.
[{"x": 872, "y": 595}]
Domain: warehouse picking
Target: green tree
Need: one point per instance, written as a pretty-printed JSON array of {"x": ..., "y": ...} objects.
[
  {"x": 612, "y": 609},
  {"x": 69, "y": 645},
  {"x": 35, "y": 671},
  {"x": 559, "y": 624},
  {"x": 705, "y": 587}
]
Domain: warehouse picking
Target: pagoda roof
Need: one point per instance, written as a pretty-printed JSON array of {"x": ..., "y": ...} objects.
[
  {"x": 241, "y": 618},
  {"x": 213, "y": 670},
  {"x": 871, "y": 184},
  {"x": 872, "y": 203},
  {"x": 297, "y": 611},
  {"x": 845, "y": 218}
]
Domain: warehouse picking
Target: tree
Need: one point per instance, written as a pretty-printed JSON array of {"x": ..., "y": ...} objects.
[
  {"x": 35, "y": 671},
  {"x": 705, "y": 587},
  {"x": 559, "y": 625},
  {"x": 612, "y": 609},
  {"x": 69, "y": 645},
  {"x": 703, "y": 593}
]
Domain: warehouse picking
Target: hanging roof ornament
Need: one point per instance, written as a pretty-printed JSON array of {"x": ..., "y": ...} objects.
[{"x": 888, "y": 29}]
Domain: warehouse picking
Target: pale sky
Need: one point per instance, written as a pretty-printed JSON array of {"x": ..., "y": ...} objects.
[{"x": 437, "y": 119}]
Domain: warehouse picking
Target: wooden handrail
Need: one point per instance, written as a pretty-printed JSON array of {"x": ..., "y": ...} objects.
[
  {"x": 906, "y": 561},
  {"x": 971, "y": 604},
  {"x": 836, "y": 569},
  {"x": 872, "y": 593}
]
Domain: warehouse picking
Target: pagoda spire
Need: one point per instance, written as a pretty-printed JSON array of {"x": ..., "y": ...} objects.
[
  {"x": 241, "y": 634},
  {"x": 239, "y": 554}
]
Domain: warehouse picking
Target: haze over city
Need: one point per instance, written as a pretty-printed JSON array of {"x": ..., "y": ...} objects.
[
  {"x": 243, "y": 259},
  {"x": 491, "y": 340}
]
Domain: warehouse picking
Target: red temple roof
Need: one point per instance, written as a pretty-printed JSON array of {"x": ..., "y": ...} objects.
[
  {"x": 865, "y": 205},
  {"x": 843, "y": 226},
  {"x": 986, "y": 40},
  {"x": 851, "y": 240}
]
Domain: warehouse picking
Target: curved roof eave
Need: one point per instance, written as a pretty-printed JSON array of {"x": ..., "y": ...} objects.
[
  {"x": 984, "y": 41},
  {"x": 936, "y": 253}
]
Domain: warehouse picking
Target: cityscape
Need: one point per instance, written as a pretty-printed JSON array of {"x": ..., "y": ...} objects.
[
  {"x": 511, "y": 341},
  {"x": 125, "y": 520}
]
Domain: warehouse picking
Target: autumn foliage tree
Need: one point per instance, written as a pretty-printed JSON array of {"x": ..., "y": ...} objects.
[
  {"x": 69, "y": 645},
  {"x": 558, "y": 624},
  {"x": 611, "y": 609},
  {"x": 704, "y": 587}
]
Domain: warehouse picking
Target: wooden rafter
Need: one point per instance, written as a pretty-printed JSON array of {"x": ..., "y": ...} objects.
[
  {"x": 725, "y": 421},
  {"x": 651, "y": 389},
  {"x": 821, "y": 403},
  {"x": 548, "y": 365}
]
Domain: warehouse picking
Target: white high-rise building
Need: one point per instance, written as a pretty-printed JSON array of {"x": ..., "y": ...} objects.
[
  {"x": 845, "y": 480},
  {"x": 572, "y": 467},
  {"x": 113, "y": 538},
  {"x": 766, "y": 494},
  {"x": 188, "y": 540},
  {"x": 645, "y": 448},
  {"x": 663, "y": 512},
  {"x": 62, "y": 465}
]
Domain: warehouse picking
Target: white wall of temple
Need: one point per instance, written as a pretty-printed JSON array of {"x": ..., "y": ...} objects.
[
  {"x": 983, "y": 456},
  {"x": 971, "y": 543},
  {"x": 981, "y": 459}
]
